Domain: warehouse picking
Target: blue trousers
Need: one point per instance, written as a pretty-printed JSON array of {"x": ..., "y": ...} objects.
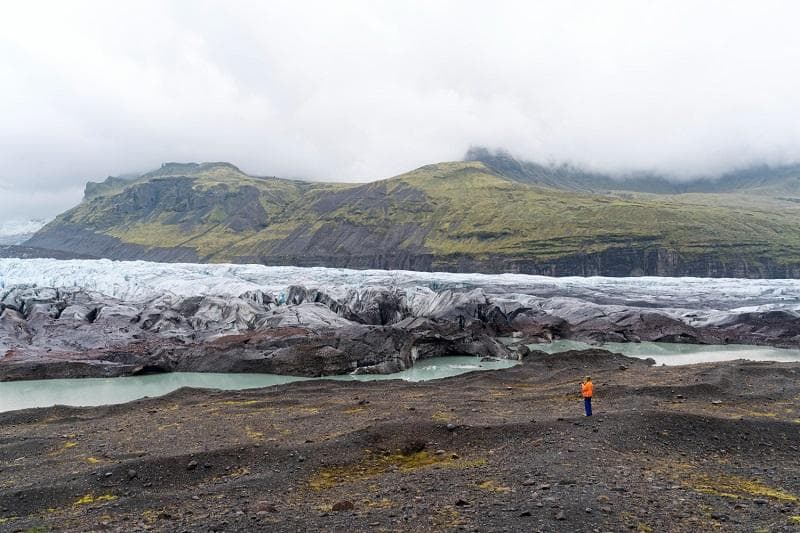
[{"x": 587, "y": 404}]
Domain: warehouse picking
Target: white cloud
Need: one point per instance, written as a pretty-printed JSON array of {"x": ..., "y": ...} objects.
[{"x": 362, "y": 90}]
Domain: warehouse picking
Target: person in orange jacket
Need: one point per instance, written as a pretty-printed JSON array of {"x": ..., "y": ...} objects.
[{"x": 587, "y": 389}]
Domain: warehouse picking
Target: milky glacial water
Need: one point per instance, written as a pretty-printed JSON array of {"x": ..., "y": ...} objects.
[
  {"x": 680, "y": 354},
  {"x": 103, "y": 391}
]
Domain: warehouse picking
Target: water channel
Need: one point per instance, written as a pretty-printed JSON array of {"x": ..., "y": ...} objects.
[{"x": 101, "y": 391}]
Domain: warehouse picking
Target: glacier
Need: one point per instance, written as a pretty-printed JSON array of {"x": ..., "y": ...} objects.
[
  {"x": 142, "y": 280},
  {"x": 82, "y": 318},
  {"x": 18, "y": 231}
]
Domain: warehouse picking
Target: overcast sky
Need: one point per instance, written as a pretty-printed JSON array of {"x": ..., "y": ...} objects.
[{"x": 355, "y": 91}]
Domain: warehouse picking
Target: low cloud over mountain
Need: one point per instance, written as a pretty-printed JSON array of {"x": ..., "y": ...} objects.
[{"x": 355, "y": 91}]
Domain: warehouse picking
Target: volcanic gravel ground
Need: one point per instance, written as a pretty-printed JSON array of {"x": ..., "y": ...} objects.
[{"x": 693, "y": 448}]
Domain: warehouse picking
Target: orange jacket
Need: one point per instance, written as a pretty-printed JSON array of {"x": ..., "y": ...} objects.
[{"x": 587, "y": 389}]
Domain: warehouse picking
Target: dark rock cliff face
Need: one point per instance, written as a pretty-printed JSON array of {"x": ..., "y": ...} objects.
[
  {"x": 164, "y": 201},
  {"x": 70, "y": 238},
  {"x": 28, "y": 252},
  {"x": 616, "y": 262},
  {"x": 654, "y": 261},
  {"x": 178, "y": 201},
  {"x": 69, "y": 241}
]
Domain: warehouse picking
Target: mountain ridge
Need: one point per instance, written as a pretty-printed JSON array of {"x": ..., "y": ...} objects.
[
  {"x": 759, "y": 178},
  {"x": 454, "y": 216}
]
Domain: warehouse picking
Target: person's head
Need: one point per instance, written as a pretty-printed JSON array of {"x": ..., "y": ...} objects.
[{"x": 587, "y": 378}]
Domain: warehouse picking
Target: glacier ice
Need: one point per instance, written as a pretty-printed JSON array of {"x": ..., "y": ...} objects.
[
  {"x": 142, "y": 280},
  {"x": 18, "y": 231}
]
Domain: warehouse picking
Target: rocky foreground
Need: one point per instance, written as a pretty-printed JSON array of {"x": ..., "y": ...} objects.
[
  {"x": 695, "y": 448},
  {"x": 73, "y": 332}
]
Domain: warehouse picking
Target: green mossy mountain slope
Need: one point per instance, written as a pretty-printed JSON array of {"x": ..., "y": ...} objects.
[{"x": 459, "y": 216}]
